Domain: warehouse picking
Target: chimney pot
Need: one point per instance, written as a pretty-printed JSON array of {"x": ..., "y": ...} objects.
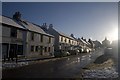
[
  {"x": 17, "y": 15},
  {"x": 51, "y": 26}
]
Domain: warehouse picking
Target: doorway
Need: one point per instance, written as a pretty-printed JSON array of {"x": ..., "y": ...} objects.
[
  {"x": 41, "y": 50},
  {"x": 5, "y": 50},
  {"x": 13, "y": 50}
]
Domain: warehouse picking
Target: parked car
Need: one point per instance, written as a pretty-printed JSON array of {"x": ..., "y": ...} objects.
[
  {"x": 61, "y": 53},
  {"x": 86, "y": 50},
  {"x": 81, "y": 50},
  {"x": 73, "y": 52},
  {"x": 66, "y": 53}
]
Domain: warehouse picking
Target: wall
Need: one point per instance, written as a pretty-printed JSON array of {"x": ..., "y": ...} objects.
[{"x": 37, "y": 42}]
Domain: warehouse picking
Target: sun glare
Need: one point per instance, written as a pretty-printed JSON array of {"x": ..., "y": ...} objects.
[{"x": 113, "y": 35}]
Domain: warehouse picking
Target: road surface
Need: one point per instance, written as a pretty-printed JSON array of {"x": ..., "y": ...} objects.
[{"x": 69, "y": 67}]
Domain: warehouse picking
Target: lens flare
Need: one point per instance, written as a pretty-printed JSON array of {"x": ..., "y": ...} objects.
[{"x": 113, "y": 35}]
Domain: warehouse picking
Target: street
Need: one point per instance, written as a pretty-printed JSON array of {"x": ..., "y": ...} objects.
[{"x": 69, "y": 67}]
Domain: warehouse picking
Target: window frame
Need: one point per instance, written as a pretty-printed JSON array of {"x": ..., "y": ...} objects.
[
  {"x": 32, "y": 36},
  {"x": 32, "y": 48},
  {"x": 13, "y": 32}
]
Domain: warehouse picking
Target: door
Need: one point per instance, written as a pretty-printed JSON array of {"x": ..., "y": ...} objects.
[
  {"x": 20, "y": 50},
  {"x": 13, "y": 50},
  {"x": 5, "y": 50},
  {"x": 41, "y": 50}
]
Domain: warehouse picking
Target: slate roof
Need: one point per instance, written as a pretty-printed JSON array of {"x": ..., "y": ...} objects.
[
  {"x": 83, "y": 41},
  {"x": 63, "y": 34},
  {"x": 23, "y": 25},
  {"x": 32, "y": 27},
  {"x": 10, "y": 21}
]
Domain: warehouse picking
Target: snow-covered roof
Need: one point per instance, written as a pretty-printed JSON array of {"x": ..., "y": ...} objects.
[
  {"x": 32, "y": 27},
  {"x": 87, "y": 42},
  {"x": 63, "y": 34},
  {"x": 23, "y": 25},
  {"x": 10, "y": 21},
  {"x": 83, "y": 41}
]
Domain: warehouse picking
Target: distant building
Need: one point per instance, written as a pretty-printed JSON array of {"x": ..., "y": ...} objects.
[
  {"x": 97, "y": 44},
  {"x": 106, "y": 43},
  {"x": 23, "y": 38},
  {"x": 63, "y": 42},
  {"x": 91, "y": 43},
  {"x": 86, "y": 45}
]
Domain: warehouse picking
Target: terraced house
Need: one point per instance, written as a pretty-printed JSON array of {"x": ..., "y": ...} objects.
[
  {"x": 63, "y": 42},
  {"x": 23, "y": 38}
]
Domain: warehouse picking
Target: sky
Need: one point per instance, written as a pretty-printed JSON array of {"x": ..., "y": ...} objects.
[{"x": 95, "y": 20}]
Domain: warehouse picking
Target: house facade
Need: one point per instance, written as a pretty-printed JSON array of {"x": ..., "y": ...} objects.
[
  {"x": 106, "y": 43},
  {"x": 23, "y": 38},
  {"x": 63, "y": 42},
  {"x": 97, "y": 44},
  {"x": 12, "y": 37}
]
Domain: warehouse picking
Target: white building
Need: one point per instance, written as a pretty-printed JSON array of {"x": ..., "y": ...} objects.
[
  {"x": 62, "y": 41},
  {"x": 106, "y": 43},
  {"x": 23, "y": 38}
]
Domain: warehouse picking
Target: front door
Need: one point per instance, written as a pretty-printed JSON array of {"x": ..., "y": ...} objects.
[
  {"x": 13, "y": 50},
  {"x": 41, "y": 50},
  {"x": 5, "y": 50}
]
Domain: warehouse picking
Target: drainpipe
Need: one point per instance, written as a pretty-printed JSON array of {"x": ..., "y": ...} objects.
[{"x": 25, "y": 43}]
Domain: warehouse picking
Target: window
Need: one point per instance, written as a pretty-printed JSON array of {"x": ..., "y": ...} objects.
[
  {"x": 69, "y": 41},
  {"x": 72, "y": 42},
  {"x": 32, "y": 48},
  {"x": 13, "y": 32},
  {"x": 41, "y": 38},
  {"x": 65, "y": 40},
  {"x": 45, "y": 49},
  {"x": 61, "y": 38},
  {"x": 65, "y": 47},
  {"x": 49, "y": 39},
  {"x": 20, "y": 50},
  {"x": 32, "y": 36},
  {"x": 49, "y": 49},
  {"x": 36, "y": 49}
]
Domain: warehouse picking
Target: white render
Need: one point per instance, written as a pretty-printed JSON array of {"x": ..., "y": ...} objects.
[{"x": 24, "y": 38}]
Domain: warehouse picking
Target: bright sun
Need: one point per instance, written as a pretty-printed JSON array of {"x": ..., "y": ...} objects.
[{"x": 113, "y": 35}]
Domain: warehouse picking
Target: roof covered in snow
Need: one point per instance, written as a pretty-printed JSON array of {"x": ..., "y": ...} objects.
[
  {"x": 63, "y": 34},
  {"x": 10, "y": 21},
  {"x": 83, "y": 41},
  {"x": 23, "y": 25},
  {"x": 32, "y": 27}
]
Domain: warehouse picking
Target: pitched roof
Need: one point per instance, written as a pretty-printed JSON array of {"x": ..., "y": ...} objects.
[
  {"x": 83, "y": 41},
  {"x": 23, "y": 25},
  {"x": 63, "y": 34},
  {"x": 10, "y": 21},
  {"x": 32, "y": 27}
]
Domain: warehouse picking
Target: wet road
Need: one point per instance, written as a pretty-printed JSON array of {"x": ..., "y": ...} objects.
[{"x": 69, "y": 67}]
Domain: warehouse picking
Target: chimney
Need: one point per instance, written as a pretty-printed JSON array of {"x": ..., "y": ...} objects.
[
  {"x": 72, "y": 35},
  {"x": 51, "y": 26},
  {"x": 44, "y": 26},
  {"x": 89, "y": 40},
  {"x": 17, "y": 16},
  {"x": 78, "y": 38},
  {"x": 82, "y": 38}
]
